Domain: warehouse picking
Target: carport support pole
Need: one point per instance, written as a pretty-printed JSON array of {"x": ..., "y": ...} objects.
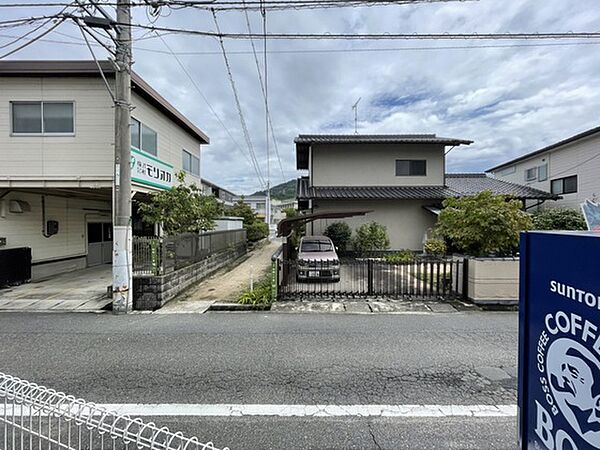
[{"x": 122, "y": 257}]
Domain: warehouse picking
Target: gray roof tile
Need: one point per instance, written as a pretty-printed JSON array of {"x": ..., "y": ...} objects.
[
  {"x": 378, "y": 139},
  {"x": 457, "y": 185}
]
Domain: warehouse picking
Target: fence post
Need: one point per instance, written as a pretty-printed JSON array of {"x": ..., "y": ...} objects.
[
  {"x": 465, "y": 280},
  {"x": 369, "y": 277},
  {"x": 274, "y": 279}
]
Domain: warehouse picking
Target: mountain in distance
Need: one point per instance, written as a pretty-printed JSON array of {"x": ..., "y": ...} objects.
[{"x": 283, "y": 191}]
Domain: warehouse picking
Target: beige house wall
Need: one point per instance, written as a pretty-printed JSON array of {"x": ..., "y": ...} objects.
[
  {"x": 373, "y": 165},
  {"x": 406, "y": 220},
  {"x": 87, "y": 155},
  {"x": 25, "y": 229},
  {"x": 581, "y": 158}
]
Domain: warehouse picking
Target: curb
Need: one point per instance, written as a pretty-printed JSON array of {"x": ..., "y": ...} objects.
[{"x": 237, "y": 307}]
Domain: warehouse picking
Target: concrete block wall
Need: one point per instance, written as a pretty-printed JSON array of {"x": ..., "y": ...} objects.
[
  {"x": 493, "y": 280},
  {"x": 153, "y": 292}
]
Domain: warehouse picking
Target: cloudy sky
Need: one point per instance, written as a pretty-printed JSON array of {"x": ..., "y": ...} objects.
[{"x": 510, "y": 99}]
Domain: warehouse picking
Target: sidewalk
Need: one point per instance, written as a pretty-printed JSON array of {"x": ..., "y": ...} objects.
[{"x": 224, "y": 286}]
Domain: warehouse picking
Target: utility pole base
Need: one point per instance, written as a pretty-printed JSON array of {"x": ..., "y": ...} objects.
[{"x": 122, "y": 290}]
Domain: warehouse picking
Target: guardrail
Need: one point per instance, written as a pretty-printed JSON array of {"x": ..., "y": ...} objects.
[{"x": 33, "y": 416}]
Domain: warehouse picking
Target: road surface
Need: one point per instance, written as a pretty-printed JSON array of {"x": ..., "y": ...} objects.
[{"x": 449, "y": 361}]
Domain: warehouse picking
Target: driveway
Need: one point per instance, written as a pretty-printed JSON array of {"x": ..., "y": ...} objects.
[{"x": 80, "y": 290}]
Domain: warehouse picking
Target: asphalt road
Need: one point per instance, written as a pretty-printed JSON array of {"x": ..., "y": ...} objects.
[{"x": 267, "y": 358}]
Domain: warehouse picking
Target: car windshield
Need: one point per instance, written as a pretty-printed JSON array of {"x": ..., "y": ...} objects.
[{"x": 316, "y": 246}]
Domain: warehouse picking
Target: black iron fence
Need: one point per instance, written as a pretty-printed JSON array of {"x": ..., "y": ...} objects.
[
  {"x": 427, "y": 278},
  {"x": 158, "y": 256}
]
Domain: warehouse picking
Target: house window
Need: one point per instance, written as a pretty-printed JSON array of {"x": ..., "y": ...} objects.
[
  {"x": 567, "y": 185},
  {"x": 143, "y": 137},
  {"x": 42, "y": 118},
  {"x": 191, "y": 163},
  {"x": 411, "y": 167},
  {"x": 531, "y": 174},
  {"x": 542, "y": 172}
]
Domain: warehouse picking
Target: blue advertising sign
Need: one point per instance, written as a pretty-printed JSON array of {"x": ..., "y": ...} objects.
[{"x": 559, "y": 341}]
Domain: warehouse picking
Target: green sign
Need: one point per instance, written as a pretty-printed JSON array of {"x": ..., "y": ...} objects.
[{"x": 151, "y": 171}]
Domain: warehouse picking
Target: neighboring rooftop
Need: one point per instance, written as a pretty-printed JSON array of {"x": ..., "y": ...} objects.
[
  {"x": 377, "y": 139},
  {"x": 213, "y": 185},
  {"x": 90, "y": 69},
  {"x": 474, "y": 183},
  {"x": 568, "y": 140},
  {"x": 457, "y": 185}
]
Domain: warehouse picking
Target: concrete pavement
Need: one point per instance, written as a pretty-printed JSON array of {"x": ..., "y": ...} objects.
[{"x": 283, "y": 359}]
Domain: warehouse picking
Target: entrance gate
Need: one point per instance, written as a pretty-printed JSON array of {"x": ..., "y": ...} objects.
[{"x": 439, "y": 278}]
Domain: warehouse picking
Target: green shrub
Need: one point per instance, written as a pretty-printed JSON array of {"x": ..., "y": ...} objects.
[
  {"x": 559, "y": 219},
  {"x": 257, "y": 231},
  {"x": 401, "y": 256},
  {"x": 483, "y": 224},
  {"x": 339, "y": 233},
  {"x": 435, "y": 247},
  {"x": 260, "y": 295},
  {"x": 371, "y": 237}
]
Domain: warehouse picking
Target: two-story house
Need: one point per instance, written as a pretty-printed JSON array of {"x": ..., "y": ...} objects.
[
  {"x": 401, "y": 179},
  {"x": 569, "y": 168},
  {"x": 57, "y": 158}
]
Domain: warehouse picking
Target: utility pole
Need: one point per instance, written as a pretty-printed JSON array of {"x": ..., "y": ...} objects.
[
  {"x": 268, "y": 199},
  {"x": 122, "y": 241},
  {"x": 355, "y": 108}
]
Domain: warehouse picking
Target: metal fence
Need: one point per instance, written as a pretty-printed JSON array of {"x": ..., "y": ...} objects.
[
  {"x": 432, "y": 278},
  {"x": 158, "y": 256},
  {"x": 35, "y": 417}
]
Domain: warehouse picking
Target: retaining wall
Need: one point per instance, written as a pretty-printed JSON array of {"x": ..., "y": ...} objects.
[{"x": 153, "y": 292}]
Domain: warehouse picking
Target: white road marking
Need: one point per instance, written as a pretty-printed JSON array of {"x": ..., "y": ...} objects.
[{"x": 239, "y": 410}]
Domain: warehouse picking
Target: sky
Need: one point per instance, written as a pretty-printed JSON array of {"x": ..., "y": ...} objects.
[{"x": 509, "y": 100}]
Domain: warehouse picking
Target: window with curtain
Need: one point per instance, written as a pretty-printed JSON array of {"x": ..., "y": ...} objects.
[{"x": 42, "y": 118}]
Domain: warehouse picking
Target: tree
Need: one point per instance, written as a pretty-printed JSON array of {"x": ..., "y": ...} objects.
[
  {"x": 371, "y": 237},
  {"x": 181, "y": 209},
  {"x": 483, "y": 224},
  {"x": 559, "y": 219},
  {"x": 255, "y": 228},
  {"x": 243, "y": 210},
  {"x": 339, "y": 233}
]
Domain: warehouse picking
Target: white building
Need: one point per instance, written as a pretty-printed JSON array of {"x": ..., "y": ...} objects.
[
  {"x": 569, "y": 168},
  {"x": 57, "y": 146}
]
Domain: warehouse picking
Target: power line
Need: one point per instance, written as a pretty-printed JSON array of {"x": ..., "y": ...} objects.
[
  {"x": 237, "y": 100},
  {"x": 263, "y": 89},
  {"x": 254, "y": 5},
  {"x": 212, "y": 110},
  {"x": 31, "y": 41},
  {"x": 381, "y": 36}
]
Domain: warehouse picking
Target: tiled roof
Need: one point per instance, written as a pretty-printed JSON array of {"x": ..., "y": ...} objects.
[
  {"x": 457, "y": 185},
  {"x": 473, "y": 183},
  {"x": 372, "y": 192},
  {"x": 377, "y": 139}
]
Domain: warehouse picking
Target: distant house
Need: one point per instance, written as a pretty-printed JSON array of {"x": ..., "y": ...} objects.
[
  {"x": 400, "y": 178},
  {"x": 569, "y": 168},
  {"x": 258, "y": 203},
  {"x": 223, "y": 195}
]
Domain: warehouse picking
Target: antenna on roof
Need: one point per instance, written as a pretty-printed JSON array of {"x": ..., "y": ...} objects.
[{"x": 355, "y": 108}]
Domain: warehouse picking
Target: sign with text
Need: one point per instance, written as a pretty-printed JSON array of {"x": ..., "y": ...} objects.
[
  {"x": 559, "y": 341},
  {"x": 151, "y": 171},
  {"x": 591, "y": 212}
]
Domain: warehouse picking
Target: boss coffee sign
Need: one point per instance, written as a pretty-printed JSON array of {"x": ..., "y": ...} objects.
[
  {"x": 559, "y": 341},
  {"x": 150, "y": 171}
]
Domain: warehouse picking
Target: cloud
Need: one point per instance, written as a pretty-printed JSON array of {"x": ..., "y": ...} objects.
[{"x": 509, "y": 100}]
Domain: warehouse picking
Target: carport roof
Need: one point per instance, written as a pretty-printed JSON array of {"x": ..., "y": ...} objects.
[{"x": 284, "y": 227}]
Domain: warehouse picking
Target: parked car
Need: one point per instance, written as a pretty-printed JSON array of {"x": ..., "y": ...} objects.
[{"x": 317, "y": 260}]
